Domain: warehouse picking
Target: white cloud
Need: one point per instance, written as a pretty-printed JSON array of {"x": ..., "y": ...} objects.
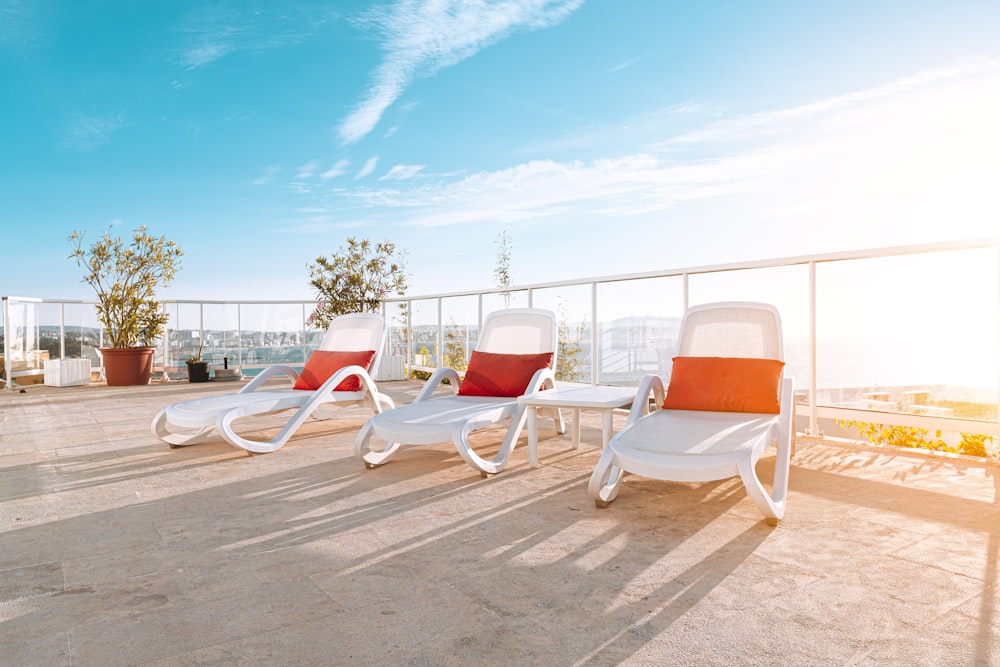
[
  {"x": 420, "y": 37},
  {"x": 214, "y": 32},
  {"x": 367, "y": 168},
  {"x": 339, "y": 168},
  {"x": 88, "y": 132},
  {"x": 402, "y": 172},
  {"x": 205, "y": 53},
  {"x": 268, "y": 175},
  {"x": 628, "y": 63},
  {"x": 21, "y": 23},
  {"x": 911, "y": 161},
  {"x": 308, "y": 170}
]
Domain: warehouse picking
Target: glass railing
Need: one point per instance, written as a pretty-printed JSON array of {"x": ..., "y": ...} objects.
[{"x": 906, "y": 337}]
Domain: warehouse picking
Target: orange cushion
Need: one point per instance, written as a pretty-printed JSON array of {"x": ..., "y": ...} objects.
[
  {"x": 323, "y": 363},
  {"x": 725, "y": 384},
  {"x": 501, "y": 374}
]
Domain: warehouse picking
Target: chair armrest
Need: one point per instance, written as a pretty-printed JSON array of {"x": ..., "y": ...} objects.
[
  {"x": 331, "y": 382},
  {"x": 436, "y": 379},
  {"x": 650, "y": 384},
  {"x": 543, "y": 378},
  {"x": 268, "y": 373}
]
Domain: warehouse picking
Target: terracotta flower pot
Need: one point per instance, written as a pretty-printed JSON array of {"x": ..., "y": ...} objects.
[{"x": 127, "y": 366}]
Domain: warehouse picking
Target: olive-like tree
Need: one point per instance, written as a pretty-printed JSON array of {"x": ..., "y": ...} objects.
[
  {"x": 501, "y": 270},
  {"x": 356, "y": 279},
  {"x": 125, "y": 277}
]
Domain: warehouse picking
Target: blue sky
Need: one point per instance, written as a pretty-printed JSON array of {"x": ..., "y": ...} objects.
[{"x": 603, "y": 137}]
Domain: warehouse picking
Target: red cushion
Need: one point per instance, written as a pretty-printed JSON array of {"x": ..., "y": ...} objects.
[
  {"x": 501, "y": 374},
  {"x": 725, "y": 384},
  {"x": 322, "y": 364}
]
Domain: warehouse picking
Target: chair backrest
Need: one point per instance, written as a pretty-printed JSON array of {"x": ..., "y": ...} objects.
[
  {"x": 731, "y": 329},
  {"x": 357, "y": 332},
  {"x": 519, "y": 331}
]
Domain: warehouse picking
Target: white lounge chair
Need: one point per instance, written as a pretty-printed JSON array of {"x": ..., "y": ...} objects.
[
  {"x": 726, "y": 403},
  {"x": 515, "y": 355},
  {"x": 338, "y": 374}
]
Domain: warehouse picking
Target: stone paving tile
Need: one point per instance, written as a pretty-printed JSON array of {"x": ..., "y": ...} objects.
[{"x": 117, "y": 550}]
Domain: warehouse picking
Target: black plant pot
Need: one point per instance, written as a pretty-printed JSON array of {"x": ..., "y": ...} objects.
[{"x": 197, "y": 371}]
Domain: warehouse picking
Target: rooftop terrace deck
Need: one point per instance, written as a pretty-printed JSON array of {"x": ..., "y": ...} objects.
[{"x": 115, "y": 550}]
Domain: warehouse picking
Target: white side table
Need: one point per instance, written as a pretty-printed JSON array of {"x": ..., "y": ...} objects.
[{"x": 597, "y": 397}]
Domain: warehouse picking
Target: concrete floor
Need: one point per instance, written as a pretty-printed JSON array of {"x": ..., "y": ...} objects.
[{"x": 116, "y": 550}]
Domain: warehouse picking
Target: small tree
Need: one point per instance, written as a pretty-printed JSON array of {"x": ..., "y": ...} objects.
[
  {"x": 569, "y": 362},
  {"x": 501, "y": 270},
  {"x": 356, "y": 279},
  {"x": 125, "y": 277},
  {"x": 454, "y": 348}
]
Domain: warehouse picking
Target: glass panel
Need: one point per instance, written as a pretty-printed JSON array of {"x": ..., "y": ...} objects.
[
  {"x": 572, "y": 308},
  {"x": 638, "y": 322},
  {"x": 423, "y": 319},
  {"x": 913, "y": 334},
  {"x": 273, "y": 334},
  {"x": 222, "y": 336},
  {"x": 512, "y": 299},
  {"x": 48, "y": 343},
  {"x": 187, "y": 335},
  {"x": 396, "y": 319},
  {"x": 460, "y": 317},
  {"x": 22, "y": 334}
]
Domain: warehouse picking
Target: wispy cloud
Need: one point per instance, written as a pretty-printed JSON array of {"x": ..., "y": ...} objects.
[
  {"x": 339, "y": 168},
  {"x": 213, "y": 32},
  {"x": 367, "y": 168},
  {"x": 19, "y": 25},
  {"x": 268, "y": 175},
  {"x": 628, "y": 63},
  {"x": 88, "y": 132},
  {"x": 308, "y": 170},
  {"x": 402, "y": 172},
  {"x": 537, "y": 189},
  {"x": 914, "y": 156},
  {"x": 420, "y": 37},
  {"x": 837, "y": 109}
]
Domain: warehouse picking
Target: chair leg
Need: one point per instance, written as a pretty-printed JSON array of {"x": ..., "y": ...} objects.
[
  {"x": 772, "y": 507},
  {"x": 363, "y": 450},
  {"x": 225, "y": 426},
  {"x": 460, "y": 437},
  {"x": 177, "y": 439},
  {"x": 606, "y": 480}
]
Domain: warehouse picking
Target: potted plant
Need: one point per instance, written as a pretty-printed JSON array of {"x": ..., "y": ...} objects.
[
  {"x": 125, "y": 277},
  {"x": 197, "y": 367}
]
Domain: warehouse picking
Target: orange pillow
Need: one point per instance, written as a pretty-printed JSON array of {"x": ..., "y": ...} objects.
[
  {"x": 725, "y": 384},
  {"x": 501, "y": 374},
  {"x": 323, "y": 363}
]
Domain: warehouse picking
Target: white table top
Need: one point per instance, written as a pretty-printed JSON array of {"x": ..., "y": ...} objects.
[{"x": 594, "y": 397}]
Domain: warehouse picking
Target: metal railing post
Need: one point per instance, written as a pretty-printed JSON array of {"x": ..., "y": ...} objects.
[
  {"x": 62, "y": 330},
  {"x": 439, "y": 337},
  {"x": 6, "y": 346},
  {"x": 813, "y": 414},
  {"x": 595, "y": 352}
]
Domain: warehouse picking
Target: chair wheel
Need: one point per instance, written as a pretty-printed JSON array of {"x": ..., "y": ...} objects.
[
  {"x": 601, "y": 504},
  {"x": 372, "y": 466},
  {"x": 772, "y": 522},
  {"x": 484, "y": 474}
]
